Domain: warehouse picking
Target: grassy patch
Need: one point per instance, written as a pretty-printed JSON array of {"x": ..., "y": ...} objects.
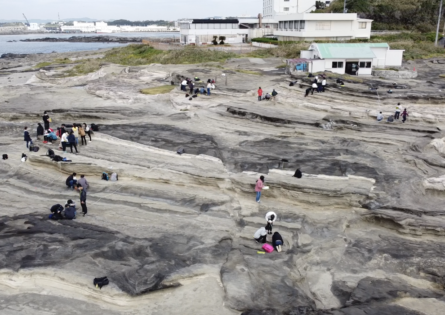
[
  {"x": 63, "y": 61},
  {"x": 158, "y": 90},
  {"x": 86, "y": 66},
  {"x": 249, "y": 72},
  {"x": 282, "y": 66},
  {"x": 134, "y": 55}
]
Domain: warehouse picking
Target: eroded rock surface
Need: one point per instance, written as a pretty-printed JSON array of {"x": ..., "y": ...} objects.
[{"x": 363, "y": 227}]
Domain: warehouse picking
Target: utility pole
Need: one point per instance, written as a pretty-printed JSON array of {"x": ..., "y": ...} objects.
[
  {"x": 438, "y": 22},
  {"x": 344, "y": 7}
]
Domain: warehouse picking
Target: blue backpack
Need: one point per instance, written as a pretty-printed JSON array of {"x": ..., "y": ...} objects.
[{"x": 105, "y": 176}]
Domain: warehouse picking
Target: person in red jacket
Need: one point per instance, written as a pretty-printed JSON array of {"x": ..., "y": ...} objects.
[
  {"x": 259, "y": 187},
  {"x": 260, "y": 93}
]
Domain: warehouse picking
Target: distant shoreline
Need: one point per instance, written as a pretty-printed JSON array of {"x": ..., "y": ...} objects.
[{"x": 81, "y": 34}]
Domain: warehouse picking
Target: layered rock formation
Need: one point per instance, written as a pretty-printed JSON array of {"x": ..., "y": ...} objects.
[{"x": 363, "y": 228}]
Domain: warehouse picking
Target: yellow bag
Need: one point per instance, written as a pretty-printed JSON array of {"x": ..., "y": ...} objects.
[{"x": 50, "y": 120}]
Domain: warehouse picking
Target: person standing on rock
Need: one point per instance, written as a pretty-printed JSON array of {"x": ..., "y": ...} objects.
[
  {"x": 404, "y": 115},
  {"x": 83, "y": 199},
  {"x": 46, "y": 119},
  {"x": 27, "y": 137},
  {"x": 260, "y": 93},
  {"x": 72, "y": 141},
  {"x": 82, "y": 135},
  {"x": 40, "y": 131},
  {"x": 323, "y": 84},
  {"x": 83, "y": 182},
  {"x": 184, "y": 85},
  {"x": 64, "y": 141},
  {"x": 191, "y": 87},
  {"x": 260, "y": 235},
  {"x": 397, "y": 113},
  {"x": 75, "y": 130},
  {"x": 259, "y": 187},
  {"x": 277, "y": 241},
  {"x": 87, "y": 130},
  {"x": 209, "y": 87},
  {"x": 270, "y": 219}
]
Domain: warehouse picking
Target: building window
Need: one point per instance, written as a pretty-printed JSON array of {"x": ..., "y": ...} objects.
[
  {"x": 362, "y": 25},
  {"x": 364, "y": 64},
  {"x": 337, "y": 64},
  {"x": 325, "y": 25},
  {"x": 302, "y": 24},
  {"x": 286, "y": 8}
]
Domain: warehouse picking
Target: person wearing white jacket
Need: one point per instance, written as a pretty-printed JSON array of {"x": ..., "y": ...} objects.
[
  {"x": 260, "y": 235},
  {"x": 64, "y": 141},
  {"x": 270, "y": 219}
]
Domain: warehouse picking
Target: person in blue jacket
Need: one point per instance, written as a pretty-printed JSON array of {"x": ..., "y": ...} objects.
[
  {"x": 27, "y": 137},
  {"x": 72, "y": 142}
]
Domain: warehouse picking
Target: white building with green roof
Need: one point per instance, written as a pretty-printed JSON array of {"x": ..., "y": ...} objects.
[{"x": 355, "y": 59}]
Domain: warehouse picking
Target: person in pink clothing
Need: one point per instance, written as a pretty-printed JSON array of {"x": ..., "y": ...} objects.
[{"x": 259, "y": 187}]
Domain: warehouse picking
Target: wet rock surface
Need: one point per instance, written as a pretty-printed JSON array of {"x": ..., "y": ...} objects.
[{"x": 363, "y": 228}]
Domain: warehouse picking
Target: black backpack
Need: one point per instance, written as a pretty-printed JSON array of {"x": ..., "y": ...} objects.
[
  {"x": 105, "y": 176},
  {"x": 94, "y": 127},
  {"x": 5, "y": 156},
  {"x": 298, "y": 174},
  {"x": 50, "y": 153},
  {"x": 57, "y": 158},
  {"x": 100, "y": 282}
]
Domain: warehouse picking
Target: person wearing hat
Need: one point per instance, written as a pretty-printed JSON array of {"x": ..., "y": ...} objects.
[{"x": 277, "y": 241}]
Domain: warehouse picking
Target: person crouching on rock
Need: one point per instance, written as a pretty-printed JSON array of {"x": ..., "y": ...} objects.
[
  {"x": 270, "y": 219},
  {"x": 277, "y": 241},
  {"x": 71, "y": 181},
  {"x": 260, "y": 235},
  {"x": 259, "y": 187}
]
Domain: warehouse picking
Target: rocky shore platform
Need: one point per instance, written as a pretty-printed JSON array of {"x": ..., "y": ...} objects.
[{"x": 363, "y": 228}]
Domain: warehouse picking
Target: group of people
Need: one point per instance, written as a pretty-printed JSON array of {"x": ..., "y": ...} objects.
[
  {"x": 82, "y": 186},
  {"x": 69, "y": 136},
  {"x": 261, "y": 234},
  {"x": 267, "y": 96},
  {"x": 58, "y": 212},
  {"x": 318, "y": 84},
  {"x": 396, "y": 115},
  {"x": 205, "y": 90}
]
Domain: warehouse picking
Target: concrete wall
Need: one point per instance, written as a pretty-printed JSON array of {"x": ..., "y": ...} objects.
[
  {"x": 194, "y": 36},
  {"x": 263, "y": 45},
  {"x": 391, "y": 74},
  {"x": 394, "y": 58}
]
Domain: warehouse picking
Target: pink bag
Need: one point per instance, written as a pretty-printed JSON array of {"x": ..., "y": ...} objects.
[{"x": 268, "y": 248}]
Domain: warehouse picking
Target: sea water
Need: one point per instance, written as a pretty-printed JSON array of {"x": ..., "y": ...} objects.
[{"x": 19, "y": 47}]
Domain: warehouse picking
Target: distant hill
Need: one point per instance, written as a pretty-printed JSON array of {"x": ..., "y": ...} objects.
[{"x": 420, "y": 15}]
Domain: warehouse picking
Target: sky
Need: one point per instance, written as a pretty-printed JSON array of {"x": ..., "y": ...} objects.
[{"x": 127, "y": 9}]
